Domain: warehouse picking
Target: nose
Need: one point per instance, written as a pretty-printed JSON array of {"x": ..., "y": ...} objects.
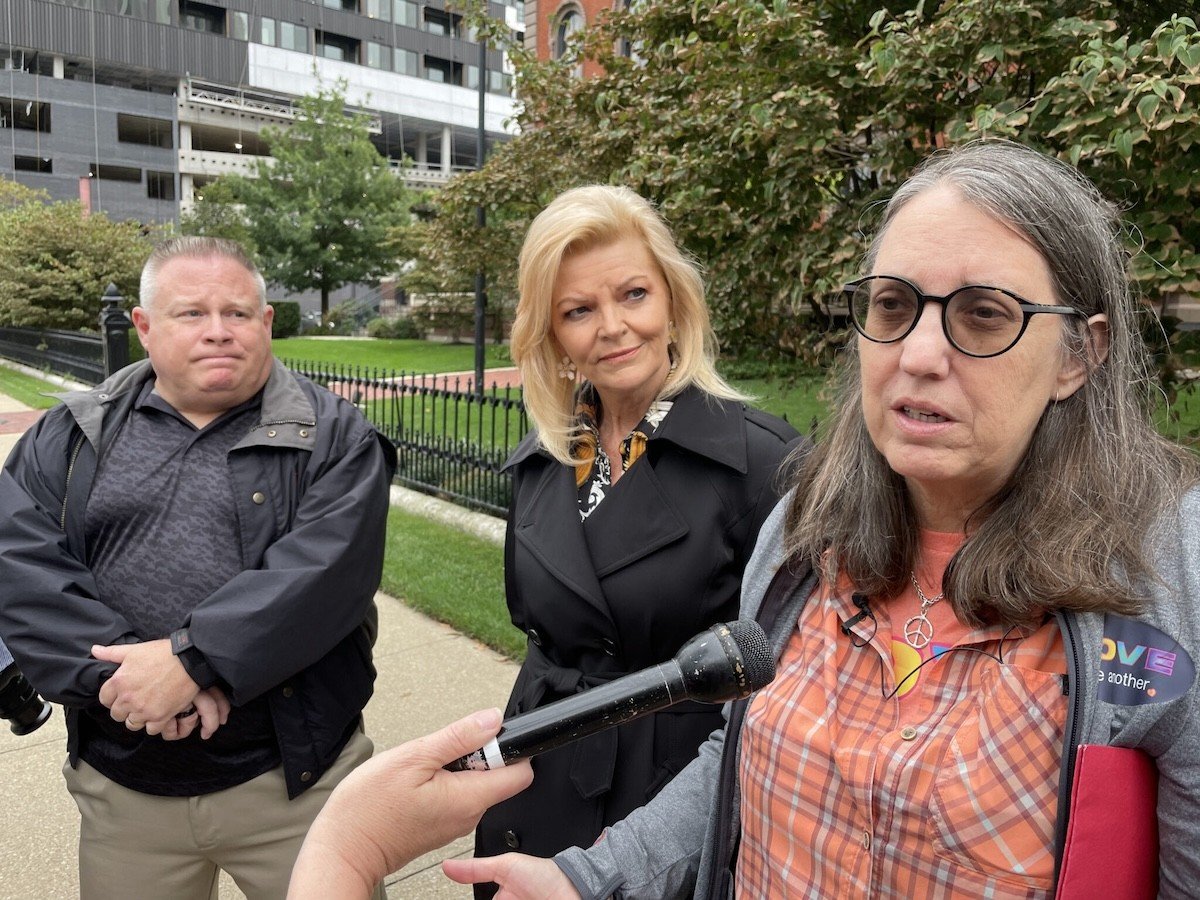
[
  {"x": 925, "y": 350},
  {"x": 612, "y": 323},
  {"x": 216, "y": 329}
]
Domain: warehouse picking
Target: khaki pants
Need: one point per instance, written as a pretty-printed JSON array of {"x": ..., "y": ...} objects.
[{"x": 139, "y": 845}]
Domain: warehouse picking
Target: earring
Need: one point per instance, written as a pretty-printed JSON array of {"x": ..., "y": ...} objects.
[{"x": 566, "y": 369}]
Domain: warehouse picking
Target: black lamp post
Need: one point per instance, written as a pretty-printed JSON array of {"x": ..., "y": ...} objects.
[
  {"x": 114, "y": 328},
  {"x": 480, "y": 220}
]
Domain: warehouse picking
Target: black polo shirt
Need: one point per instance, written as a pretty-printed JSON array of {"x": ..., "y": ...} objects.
[{"x": 162, "y": 534}]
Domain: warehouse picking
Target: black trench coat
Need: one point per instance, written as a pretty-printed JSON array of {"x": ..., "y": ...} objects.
[{"x": 659, "y": 560}]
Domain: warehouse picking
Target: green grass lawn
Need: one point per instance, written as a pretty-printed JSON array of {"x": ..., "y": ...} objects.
[
  {"x": 401, "y": 355},
  {"x": 26, "y": 389},
  {"x": 451, "y": 576}
]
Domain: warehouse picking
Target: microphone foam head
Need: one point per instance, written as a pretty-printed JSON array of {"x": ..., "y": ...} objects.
[{"x": 755, "y": 649}]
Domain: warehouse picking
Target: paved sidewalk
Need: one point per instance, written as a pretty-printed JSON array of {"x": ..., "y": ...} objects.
[{"x": 429, "y": 674}]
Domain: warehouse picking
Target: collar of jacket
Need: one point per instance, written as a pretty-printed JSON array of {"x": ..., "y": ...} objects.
[
  {"x": 286, "y": 419},
  {"x": 698, "y": 422}
]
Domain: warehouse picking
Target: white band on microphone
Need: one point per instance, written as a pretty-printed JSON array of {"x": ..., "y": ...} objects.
[{"x": 492, "y": 755}]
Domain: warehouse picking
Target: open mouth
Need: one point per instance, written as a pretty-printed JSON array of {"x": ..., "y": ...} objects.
[{"x": 921, "y": 415}]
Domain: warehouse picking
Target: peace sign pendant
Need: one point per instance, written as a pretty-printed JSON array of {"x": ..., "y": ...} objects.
[{"x": 918, "y": 631}]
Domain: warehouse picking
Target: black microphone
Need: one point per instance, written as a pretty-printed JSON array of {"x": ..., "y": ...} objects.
[{"x": 726, "y": 662}]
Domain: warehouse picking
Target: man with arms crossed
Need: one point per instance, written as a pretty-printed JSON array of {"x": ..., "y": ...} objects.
[{"x": 188, "y": 558}]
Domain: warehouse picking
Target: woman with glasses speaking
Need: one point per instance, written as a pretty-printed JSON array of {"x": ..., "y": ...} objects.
[{"x": 981, "y": 589}]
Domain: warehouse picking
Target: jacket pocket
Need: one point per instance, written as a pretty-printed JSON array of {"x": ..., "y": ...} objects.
[{"x": 996, "y": 795}]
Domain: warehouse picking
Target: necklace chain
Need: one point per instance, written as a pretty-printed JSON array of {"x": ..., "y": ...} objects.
[{"x": 918, "y": 630}]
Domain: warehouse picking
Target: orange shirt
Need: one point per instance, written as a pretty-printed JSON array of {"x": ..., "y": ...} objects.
[{"x": 852, "y": 789}]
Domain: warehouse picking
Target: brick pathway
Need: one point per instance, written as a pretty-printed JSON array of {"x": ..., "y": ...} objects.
[{"x": 17, "y": 422}]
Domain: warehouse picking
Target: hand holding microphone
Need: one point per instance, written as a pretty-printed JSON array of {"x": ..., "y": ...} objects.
[{"x": 725, "y": 662}]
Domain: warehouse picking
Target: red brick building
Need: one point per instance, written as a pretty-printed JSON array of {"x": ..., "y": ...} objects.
[{"x": 553, "y": 21}]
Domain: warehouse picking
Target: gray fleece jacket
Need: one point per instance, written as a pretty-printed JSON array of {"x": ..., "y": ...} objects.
[{"x": 668, "y": 848}]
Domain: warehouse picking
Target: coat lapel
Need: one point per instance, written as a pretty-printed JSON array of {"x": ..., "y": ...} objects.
[
  {"x": 636, "y": 518},
  {"x": 549, "y": 528}
]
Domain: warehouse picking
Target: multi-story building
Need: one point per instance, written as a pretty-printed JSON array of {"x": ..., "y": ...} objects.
[
  {"x": 552, "y": 22},
  {"x": 133, "y": 105}
]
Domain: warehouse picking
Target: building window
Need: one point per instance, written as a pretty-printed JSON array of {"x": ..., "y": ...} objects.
[
  {"x": 337, "y": 46},
  {"x": 405, "y": 61},
  {"x": 293, "y": 37},
  {"x": 160, "y": 185},
  {"x": 568, "y": 23},
  {"x": 440, "y": 22},
  {"x": 145, "y": 130},
  {"x": 499, "y": 82},
  {"x": 24, "y": 115},
  {"x": 201, "y": 17},
  {"x": 378, "y": 9},
  {"x": 404, "y": 12},
  {"x": 266, "y": 31},
  {"x": 443, "y": 71},
  {"x": 115, "y": 173},
  {"x": 41, "y": 164},
  {"x": 347, "y": 5},
  {"x": 376, "y": 55},
  {"x": 239, "y": 26}
]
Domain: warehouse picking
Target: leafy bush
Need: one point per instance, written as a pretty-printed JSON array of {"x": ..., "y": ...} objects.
[
  {"x": 402, "y": 327},
  {"x": 287, "y": 319}
]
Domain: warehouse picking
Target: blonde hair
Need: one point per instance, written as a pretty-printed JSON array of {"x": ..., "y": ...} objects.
[{"x": 582, "y": 219}]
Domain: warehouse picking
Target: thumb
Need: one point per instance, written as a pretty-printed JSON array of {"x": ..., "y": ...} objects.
[
  {"x": 114, "y": 654},
  {"x": 458, "y": 738}
]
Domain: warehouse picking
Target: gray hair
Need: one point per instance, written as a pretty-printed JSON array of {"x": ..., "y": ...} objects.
[
  {"x": 196, "y": 246},
  {"x": 1069, "y": 529}
]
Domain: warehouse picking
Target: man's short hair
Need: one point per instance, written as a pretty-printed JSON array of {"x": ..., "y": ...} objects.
[{"x": 195, "y": 246}]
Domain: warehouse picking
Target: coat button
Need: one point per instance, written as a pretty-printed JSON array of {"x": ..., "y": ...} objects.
[
  {"x": 303, "y": 432},
  {"x": 306, "y": 777},
  {"x": 287, "y": 691},
  {"x": 866, "y": 840},
  {"x": 271, "y": 433},
  {"x": 511, "y": 839},
  {"x": 259, "y": 497},
  {"x": 535, "y": 637},
  {"x": 609, "y": 646},
  {"x": 908, "y": 733}
]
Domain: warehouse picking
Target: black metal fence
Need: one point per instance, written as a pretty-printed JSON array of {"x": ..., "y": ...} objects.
[
  {"x": 451, "y": 441},
  {"x": 76, "y": 354}
]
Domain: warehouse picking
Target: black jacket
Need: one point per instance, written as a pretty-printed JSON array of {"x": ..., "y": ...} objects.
[
  {"x": 659, "y": 560},
  {"x": 311, "y": 486}
]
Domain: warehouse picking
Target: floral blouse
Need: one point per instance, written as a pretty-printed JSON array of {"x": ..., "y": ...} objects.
[{"x": 593, "y": 468}]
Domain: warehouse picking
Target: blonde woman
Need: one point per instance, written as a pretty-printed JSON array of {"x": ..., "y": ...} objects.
[{"x": 637, "y": 499}]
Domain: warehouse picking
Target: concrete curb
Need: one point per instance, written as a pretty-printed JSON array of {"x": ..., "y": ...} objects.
[{"x": 481, "y": 525}]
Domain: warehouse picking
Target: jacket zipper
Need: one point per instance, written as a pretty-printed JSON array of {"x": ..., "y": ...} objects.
[
  {"x": 1070, "y": 741},
  {"x": 62, "y": 516}
]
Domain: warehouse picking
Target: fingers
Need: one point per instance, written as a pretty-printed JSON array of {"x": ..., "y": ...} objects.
[
  {"x": 503, "y": 783},
  {"x": 114, "y": 654},
  {"x": 458, "y": 738},
  {"x": 471, "y": 871},
  {"x": 209, "y": 714}
]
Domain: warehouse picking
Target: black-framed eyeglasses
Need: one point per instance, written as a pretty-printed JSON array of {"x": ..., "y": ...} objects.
[{"x": 978, "y": 320}]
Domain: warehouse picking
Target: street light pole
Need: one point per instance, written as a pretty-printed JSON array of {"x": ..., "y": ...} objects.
[{"x": 480, "y": 278}]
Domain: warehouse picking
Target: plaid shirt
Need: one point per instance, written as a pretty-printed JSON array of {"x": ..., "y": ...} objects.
[{"x": 850, "y": 790}]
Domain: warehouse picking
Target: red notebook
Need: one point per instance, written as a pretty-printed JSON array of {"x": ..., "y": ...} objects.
[{"x": 1112, "y": 834}]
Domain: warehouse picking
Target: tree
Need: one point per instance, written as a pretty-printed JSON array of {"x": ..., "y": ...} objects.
[
  {"x": 766, "y": 131},
  {"x": 58, "y": 260},
  {"x": 319, "y": 210}
]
